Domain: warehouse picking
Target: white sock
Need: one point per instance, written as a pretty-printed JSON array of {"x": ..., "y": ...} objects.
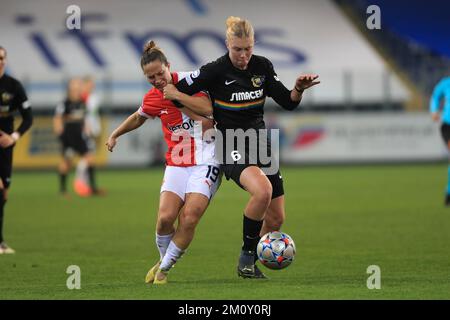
[
  {"x": 162, "y": 242},
  {"x": 81, "y": 171},
  {"x": 173, "y": 253}
]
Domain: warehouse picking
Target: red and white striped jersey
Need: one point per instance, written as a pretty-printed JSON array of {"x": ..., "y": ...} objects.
[{"x": 183, "y": 135}]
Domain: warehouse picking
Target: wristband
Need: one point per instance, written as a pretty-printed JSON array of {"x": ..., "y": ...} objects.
[{"x": 298, "y": 90}]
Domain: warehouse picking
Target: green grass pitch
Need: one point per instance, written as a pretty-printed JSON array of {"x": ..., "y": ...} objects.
[{"x": 343, "y": 219}]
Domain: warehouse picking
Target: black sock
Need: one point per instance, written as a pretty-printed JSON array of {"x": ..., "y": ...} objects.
[
  {"x": 2, "y": 206},
  {"x": 62, "y": 182},
  {"x": 91, "y": 174},
  {"x": 251, "y": 234}
]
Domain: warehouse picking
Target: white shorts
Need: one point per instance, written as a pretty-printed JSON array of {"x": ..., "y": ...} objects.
[{"x": 204, "y": 179}]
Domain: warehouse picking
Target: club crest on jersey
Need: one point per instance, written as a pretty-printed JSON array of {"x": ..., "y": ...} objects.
[
  {"x": 6, "y": 97},
  {"x": 258, "y": 81}
]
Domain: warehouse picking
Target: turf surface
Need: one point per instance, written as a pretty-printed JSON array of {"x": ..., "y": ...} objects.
[{"x": 343, "y": 219}]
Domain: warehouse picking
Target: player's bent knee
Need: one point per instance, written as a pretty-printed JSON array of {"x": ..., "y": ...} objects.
[
  {"x": 164, "y": 223},
  {"x": 191, "y": 217},
  {"x": 89, "y": 158},
  {"x": 264, "y": 196},
  {"x": 274, "y": 222},
  {"x": 64, "y": 167}
]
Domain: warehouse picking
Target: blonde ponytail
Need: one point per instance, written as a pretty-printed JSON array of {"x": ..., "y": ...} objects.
[{"x": 240, "y": 28}]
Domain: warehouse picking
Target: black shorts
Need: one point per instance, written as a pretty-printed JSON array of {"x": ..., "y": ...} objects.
[
  {"x": 233, "y": 171},
  {"x": 74, "y": 138},
  {"x": 6, "y": 157},
  {"x": 445, "y": 133},
  {"x": 257, "y": 153}
]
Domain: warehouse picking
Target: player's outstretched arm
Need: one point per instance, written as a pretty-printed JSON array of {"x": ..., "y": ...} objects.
[
  {"x": 302, "y": 83},
  {"x": 200, "y": 105},
  {"x": 131, "y": 123}
]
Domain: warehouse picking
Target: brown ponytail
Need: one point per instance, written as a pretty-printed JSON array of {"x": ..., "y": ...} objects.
[{"x": 151, "y": 52}]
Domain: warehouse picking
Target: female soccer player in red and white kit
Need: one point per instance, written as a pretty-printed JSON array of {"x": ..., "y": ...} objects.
[{"x": 192, "y": 175}]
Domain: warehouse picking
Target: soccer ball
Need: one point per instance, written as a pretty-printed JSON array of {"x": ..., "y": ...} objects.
[{"x": 276, "y": 250}]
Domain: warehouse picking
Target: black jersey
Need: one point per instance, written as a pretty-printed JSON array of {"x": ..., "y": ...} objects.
[
  {"x": 73, "y": 113},
  {"x": 238, "y": 95},
  {"x": 13, "y": 98}
]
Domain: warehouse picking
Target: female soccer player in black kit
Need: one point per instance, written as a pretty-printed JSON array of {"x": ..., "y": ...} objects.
[
  {"x": 12, "y": 98},
  {"x": 70, "y": 127},
  {"x": 238, "y": 83}
]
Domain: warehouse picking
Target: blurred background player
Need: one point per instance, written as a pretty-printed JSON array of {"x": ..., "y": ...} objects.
[
  {"x": 93, "y": 129},
  {"x": 239, "y": 83},
  {"x": 69, "y": 126},
  {"x": 190, "y": 179},
  {"x": 12, "y": 98},
  {"x": 442, "y": 91},
  {"x": 92, "y": 101}
]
